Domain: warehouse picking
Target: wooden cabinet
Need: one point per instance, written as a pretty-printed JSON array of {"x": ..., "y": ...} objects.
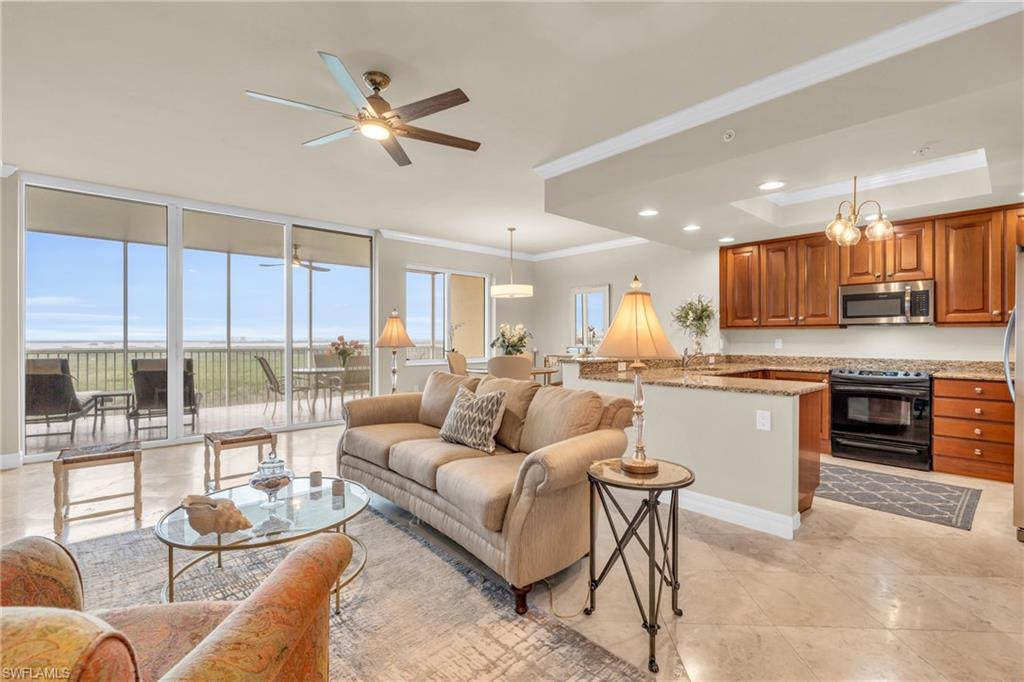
[
  {"x": 778, "y": 284},
  {"x": 909, "y": 255},
  {"x": 740, "y": 286},
  {"x": 972, "y": 432},
  {"x": 969, "y": 263},
  {"x": 825, "y": 434},
  {"x": 862, "y": 264},
  {"x": 817, "y": 263}
]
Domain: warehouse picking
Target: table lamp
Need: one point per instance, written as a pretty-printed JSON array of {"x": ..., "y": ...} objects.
[
  {"x": 636, "y": 334},
  {"x": 393, "y": 336}
]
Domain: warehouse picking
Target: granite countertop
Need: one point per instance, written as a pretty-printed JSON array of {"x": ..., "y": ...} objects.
[{"x": 669, "y": 372}]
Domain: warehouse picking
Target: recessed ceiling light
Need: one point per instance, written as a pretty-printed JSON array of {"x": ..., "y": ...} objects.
[
  {"x": 727, "y": 240},
  {"x": 771, "y": 184},
  {"x": 647, "y": 212},
  {"x": 691, "y": 228}
]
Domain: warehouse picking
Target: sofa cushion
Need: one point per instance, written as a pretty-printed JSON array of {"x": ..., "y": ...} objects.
[
  {"x": 373, "y": 442},
  {"x": 474, "y": 419},
  {"x": 617, "y": 412},
  {"x": 481, "y": 487},
  {"x": 558, "y": 414},
  {"x": 438, "y": 394},
  {"x": 519, "y": 396},
  {"x": 419, "y": 460}
]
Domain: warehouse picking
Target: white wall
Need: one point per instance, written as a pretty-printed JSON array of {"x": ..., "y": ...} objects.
[
  {"x": 393, "y": 256},
  {"x": 673, "y": 275}
]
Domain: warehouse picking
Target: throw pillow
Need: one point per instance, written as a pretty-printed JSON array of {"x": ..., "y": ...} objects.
[
  {"x": 520, "y": 394},
  {"x": 474, "y": 419}
]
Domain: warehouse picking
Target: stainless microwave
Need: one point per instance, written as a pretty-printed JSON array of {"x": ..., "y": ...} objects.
[{"x": 888, "y": 303}]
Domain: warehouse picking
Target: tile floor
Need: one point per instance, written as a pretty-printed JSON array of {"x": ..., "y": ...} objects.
[{"x": 858, "y": 595}]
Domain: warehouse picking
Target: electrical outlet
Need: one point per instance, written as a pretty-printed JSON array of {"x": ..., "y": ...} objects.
[
  {"x": 778, "y": 344},
  {"x": 764, "y": 420},
  {"x": 621, "y": 367}
]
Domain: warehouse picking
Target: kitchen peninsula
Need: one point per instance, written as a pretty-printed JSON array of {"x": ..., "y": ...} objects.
[{"x": 752, "y": 443}]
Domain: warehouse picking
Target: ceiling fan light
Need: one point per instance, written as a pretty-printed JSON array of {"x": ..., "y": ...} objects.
[
  {"x": 511, "y": 290},
  {"x": 375, "y": 130},
  {"x": 835, "y": 229},
  {"x": 880, "y": 229},
  {"x": 849, "y": 237}
]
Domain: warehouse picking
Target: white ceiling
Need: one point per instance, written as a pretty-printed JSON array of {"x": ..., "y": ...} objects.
[
  {"x": 956, "y": 96},
  {"x": 149, "y": 96}
]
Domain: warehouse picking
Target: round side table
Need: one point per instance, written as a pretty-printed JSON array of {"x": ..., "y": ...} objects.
[{"x": 670, "y": 477}]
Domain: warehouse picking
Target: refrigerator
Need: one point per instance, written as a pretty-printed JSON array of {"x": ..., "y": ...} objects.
[{"x": 1015, "y": 342}]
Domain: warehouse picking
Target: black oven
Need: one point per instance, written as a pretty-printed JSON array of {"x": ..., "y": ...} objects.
[{"x": 882, "y": 416}]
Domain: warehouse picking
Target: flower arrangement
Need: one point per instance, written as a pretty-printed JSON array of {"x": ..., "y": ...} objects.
[
  {"x": 345, "y": 349},
  {"x": 511, "y": 340},
  {"x": 695, "y": 317}
]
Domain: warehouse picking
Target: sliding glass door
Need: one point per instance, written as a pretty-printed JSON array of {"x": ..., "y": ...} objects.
[{"x": 110, "y": 306}]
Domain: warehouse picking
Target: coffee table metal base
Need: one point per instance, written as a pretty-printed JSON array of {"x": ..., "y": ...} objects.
[{"x": 167, "y": 593}]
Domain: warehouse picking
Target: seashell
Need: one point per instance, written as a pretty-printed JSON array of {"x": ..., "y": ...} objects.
[{"x": 213, "y": 515}]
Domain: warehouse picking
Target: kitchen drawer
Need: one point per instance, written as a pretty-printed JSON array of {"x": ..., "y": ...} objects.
[
  {"x": 983, "y": 410},
  {"x": 999, "y": 453},
  {"x": 970, "y": 429},
  {"x": 966, "y": 467},
  {"x": 786, "y": 375},
  {"x": 978, "y": 390}
]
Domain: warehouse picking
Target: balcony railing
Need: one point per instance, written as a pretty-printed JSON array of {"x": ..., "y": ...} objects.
[{"x": 223, "y": 376}]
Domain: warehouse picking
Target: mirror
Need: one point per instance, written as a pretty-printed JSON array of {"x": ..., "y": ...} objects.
[{"x": 591, "y": 314}]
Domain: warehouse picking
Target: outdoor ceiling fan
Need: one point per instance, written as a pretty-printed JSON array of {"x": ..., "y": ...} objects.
[
  {"x": 297, "y": 262},
  {"x": 376, "y": 119}
]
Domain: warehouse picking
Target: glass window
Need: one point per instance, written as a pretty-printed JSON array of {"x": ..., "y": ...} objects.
[
  {"x": 445, "y": 311},
  {"x": 590, "y": 314}
]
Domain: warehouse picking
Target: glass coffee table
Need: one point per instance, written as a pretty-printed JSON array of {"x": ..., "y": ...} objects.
[{"x": 303, "y": 511}]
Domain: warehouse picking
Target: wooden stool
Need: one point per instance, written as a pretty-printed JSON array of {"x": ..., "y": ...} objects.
[
  {"x": 228, "y": 440},
  {"x": 94, "y": 456}
]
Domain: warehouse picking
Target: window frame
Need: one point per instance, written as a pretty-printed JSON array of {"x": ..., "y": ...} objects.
[
  {"x": 584, "y": 291},
  {"x": 446, "y": 341}
]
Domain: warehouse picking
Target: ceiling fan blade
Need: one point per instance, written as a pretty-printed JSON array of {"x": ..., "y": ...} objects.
[
  {"x": 324, "y": 139},
  {"x": 315, "y": 268},
  {"x": 270, "y": 265},
  {"x": 428, "y": 106},
  {"x": 344, "y": 79},
  {"x": 425, "y": 135},
  {"x": 299, "y": 105},
  {"x": 396, "y": 151}
]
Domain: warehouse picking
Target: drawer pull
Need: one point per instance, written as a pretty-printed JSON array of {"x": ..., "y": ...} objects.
[
  {"x": 977, "y": 432},
  {"x": 977, "y": 451},
  {"x": 977, "y": 410},
  {"x": 977, "y": 389}
]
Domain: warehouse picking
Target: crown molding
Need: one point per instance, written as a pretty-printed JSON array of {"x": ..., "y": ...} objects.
[
  {"x": 892, "y": 42},
  {"x": 589, "y": 248},
  {"x": 502, "y": 253}
]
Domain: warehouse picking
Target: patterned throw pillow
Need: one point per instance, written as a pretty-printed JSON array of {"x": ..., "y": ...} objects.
[{"x": 474, "y": 419}]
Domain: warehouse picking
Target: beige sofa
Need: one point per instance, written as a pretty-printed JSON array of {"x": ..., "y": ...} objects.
[{"x": 522, "y": 510}]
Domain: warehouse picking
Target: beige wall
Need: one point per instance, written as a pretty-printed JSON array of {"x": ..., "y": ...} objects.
[
  {"x": 392, "y": 259},
  {"x": 467, "y": 294},
  {"x": 9, "y": 316}
]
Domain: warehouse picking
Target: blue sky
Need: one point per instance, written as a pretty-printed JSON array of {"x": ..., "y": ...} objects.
[{"x": 74, "y": 294}]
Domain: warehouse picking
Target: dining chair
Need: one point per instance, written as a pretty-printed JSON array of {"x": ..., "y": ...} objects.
[
  {"x": 456, "y": 362},
  {"x": 274, "y": 387},
  {"x": 510, "y": 367}
]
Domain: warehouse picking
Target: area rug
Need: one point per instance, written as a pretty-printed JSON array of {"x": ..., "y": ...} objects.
[
  {"x": 416, "y": 612},
  {"x": 948, "y": 505}
]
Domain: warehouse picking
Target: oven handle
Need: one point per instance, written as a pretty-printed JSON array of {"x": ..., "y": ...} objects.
[
  {"x": 878, "y": 446},
  {"x": 861, "y": 388}
]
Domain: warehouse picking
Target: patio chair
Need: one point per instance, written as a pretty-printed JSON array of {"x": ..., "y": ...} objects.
[
  {"x": 456, "y": 362},
  {"x": 357, "y": 376},
  {"x": 149, "y": 377},
  {"x": 50, "y": 396},
  {"x": 328, "y": 383},
  {"x": 275, "y": 387}
]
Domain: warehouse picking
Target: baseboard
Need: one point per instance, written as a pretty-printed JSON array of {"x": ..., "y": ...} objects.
[
  {"x": 39, "y": 457},
  {"x": 744, "y": 515},
  {"x": 10, "y": 460}
]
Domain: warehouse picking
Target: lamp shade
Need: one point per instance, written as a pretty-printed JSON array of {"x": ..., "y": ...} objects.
[
  {"x": 511, "y": 290},
  {"x": 635, "y": 332},
  {"x": 393, "y": 335}
]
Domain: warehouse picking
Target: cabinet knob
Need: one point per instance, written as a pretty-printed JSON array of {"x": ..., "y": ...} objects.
[
  {"x": 791, "y": 318},
  {"x": 977, "y": 451},
  {"x": 977, "y": 389},
  {"x": 977, "y": 410},
  {"x": 802, "y": 317},
  {"x": 878, "y": 274},
  {"x": 977, "y": 432},
  {"x": 755, "y": 319},
  {"x": 996, "y": 312}
]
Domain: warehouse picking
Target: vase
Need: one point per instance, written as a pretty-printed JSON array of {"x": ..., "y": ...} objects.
[
  {"x": 270, "y": 477},
  {"x": 698, "y": 345}
]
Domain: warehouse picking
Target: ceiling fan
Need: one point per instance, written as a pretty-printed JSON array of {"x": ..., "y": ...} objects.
[
  {"x": 376, "y": 119},
  {"x": 297, "y": 262}
]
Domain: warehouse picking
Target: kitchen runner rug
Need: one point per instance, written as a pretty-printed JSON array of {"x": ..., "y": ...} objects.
[
  {"x": 948, "y": 505},
  {"x": 416, "y": 612}
]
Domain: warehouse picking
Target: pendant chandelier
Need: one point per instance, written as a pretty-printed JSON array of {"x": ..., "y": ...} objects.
[
  {"x": 511, "y": 290},
  {"x": 844, "y": 230}
]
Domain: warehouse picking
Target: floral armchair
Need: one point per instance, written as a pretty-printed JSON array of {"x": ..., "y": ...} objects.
[{"x": 278, "y": 633}]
